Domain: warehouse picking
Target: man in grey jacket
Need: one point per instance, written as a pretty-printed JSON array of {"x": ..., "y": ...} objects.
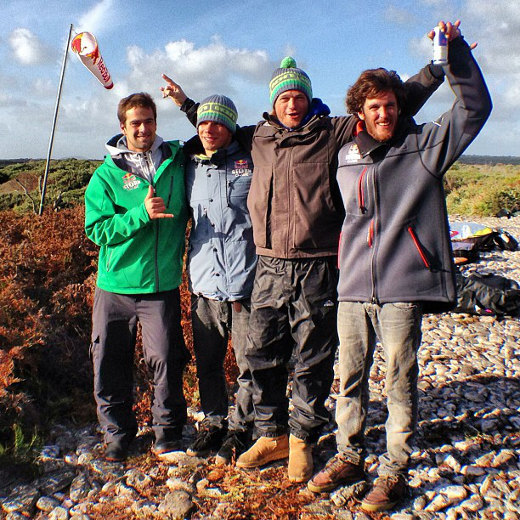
[{"x": 395, "y": 257}]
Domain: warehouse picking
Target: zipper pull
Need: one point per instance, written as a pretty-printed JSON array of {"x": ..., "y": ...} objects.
[{"x": 370, "y": 234}]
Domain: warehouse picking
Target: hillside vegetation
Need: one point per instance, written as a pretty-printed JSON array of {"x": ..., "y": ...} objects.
[
  {"x": 472, "y": 189},
  {"x": 47, "y": 279},
  {"x": 482, "y": 190},
  {"x": 20, "y": 183}
]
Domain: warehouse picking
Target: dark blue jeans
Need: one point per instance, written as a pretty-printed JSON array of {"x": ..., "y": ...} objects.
[
  {"x": 213, "y": 322},
  {"x": 114, "y": 327}
]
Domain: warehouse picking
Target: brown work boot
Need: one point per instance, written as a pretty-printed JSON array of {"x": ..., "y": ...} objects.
[
  {"x": 300, "y": 460},
  {"x": 386, "y": 492},
  {"x": 264, "y": 450},
  {"x": 337, "y": 472}
]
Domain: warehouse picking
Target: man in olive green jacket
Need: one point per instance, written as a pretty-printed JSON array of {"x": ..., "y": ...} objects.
[{"x": 135, "y": 211}]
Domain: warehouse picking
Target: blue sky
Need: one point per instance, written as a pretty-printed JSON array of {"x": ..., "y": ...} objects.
[{"x": 232, "y": 47}]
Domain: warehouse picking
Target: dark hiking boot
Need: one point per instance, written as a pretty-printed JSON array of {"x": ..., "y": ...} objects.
[
  {"x": 116, "y": 452},
  {"x": 235, "y": 443},
  {"x": 386, "y": 492},
  {"x": 163, "y": 449},
  {"x": 208, "y": 439},
  {"x": 337, "y": 472}
]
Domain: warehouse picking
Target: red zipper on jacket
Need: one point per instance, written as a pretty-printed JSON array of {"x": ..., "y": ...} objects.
[
  {"x": 418, "y": 247},
  {"x": 361, "y": 193}
]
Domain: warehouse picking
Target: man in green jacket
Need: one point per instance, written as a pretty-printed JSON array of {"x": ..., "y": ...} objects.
[{"x": 135, "y": 210}]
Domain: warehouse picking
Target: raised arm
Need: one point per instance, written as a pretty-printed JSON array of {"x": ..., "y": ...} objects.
[
  {"x": 244, "y": 134},
  {"x": 446, "y": 139},
  {"x": 420, "y": 87},
  {"x": 173, "y": 90}
]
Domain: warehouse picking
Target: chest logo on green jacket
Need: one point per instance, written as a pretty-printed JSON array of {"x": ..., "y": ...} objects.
[
  {"x": 242, "y": 168},
  {"x": 130, "y": 181}
]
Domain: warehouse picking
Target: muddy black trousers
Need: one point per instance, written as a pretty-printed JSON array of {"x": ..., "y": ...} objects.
[
  {"x": 293, "y": 313},
  {"x": 114, "y": 327}
]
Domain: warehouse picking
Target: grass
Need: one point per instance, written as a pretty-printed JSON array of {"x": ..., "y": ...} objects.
[{"x": 482, "y": 190}]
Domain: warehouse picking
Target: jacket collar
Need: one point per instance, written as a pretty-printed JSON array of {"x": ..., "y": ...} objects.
[
  {"x": 317, "y": 110},
  {"x": 196, "y": 151}
]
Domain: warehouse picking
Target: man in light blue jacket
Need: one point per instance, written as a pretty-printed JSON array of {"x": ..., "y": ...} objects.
[{"x": 221, "y": 265}]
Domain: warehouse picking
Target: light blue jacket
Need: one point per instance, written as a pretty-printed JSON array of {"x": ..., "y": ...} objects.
[{"x": 221, "y": 251}]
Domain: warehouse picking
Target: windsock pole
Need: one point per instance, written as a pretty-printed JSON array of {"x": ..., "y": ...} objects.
[{"x": 51, "y": 140}]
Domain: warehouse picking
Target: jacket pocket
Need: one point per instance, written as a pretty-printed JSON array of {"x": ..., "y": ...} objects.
[
  {"x": 317, "y": 222},
  {"x": 109, "y": 254},
  {"x": 361, "y": 191},
  {"x": 419, "y": 248}
]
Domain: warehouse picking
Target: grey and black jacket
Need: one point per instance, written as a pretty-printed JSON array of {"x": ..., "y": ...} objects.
[
  {"x": 395, "y": 244},
  {"x": 294, "y": 201}
]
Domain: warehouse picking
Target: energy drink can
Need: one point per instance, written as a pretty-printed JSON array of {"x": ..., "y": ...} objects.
[{"x": 440, "y": 47}]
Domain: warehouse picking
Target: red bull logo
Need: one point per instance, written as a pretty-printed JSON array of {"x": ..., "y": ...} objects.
[
  {"x": 242, "y": 168},
  {"x": 130, "y": 181}
]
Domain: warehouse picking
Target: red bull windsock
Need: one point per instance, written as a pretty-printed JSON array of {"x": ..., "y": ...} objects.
[{"x": 86, "y": 47}]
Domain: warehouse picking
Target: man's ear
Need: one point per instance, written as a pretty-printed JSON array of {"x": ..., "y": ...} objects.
[
  {"x": 122, "y": 126},
  {"x": 361, "y": 116}
]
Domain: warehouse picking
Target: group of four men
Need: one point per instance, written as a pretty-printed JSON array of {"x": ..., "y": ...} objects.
[{"x": 273, "y": 207}]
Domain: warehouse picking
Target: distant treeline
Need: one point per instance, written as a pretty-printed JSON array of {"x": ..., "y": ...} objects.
[
  {"x": 465, "y": 159},
  {"x": 489, "y": 159}
]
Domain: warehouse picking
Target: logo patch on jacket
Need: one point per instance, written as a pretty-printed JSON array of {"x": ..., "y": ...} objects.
[
  {"x": 241, "y": 168},
  {"x": 352, "y": 154},
  {"x": 130, "y": 181}
]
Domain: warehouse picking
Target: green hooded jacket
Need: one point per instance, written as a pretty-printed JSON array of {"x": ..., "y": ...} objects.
[{"x": 137, "y": 255}]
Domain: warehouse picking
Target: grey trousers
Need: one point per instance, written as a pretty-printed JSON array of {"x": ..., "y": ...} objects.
[
  {"x": 398, "y": 327},
  {"x": 213, "y": 321},
  {"x": 114, "y": 327}
]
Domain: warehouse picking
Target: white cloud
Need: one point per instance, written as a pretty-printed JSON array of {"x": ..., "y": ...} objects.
[
  {"x": 399, "y": 15},
  {"x": 27, "y": 48},
  {"x": 98, "y": 18},
  {"x": 199, "y": 70}
]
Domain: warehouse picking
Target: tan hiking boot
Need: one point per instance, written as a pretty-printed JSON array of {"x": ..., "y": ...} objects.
[
  {"x": 264, "y": 450},
  {"x": 300, "y": 460}
]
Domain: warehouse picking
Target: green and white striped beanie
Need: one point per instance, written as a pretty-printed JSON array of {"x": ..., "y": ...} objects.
[
  {"x": 219, "y": 109},
  {"x": 289, "y": 77}
]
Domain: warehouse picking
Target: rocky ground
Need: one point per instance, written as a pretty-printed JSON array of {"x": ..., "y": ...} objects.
[{"x": 465, "y": 465}]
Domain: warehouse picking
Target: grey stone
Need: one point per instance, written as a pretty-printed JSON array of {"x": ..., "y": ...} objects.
[
  {"x": 59, "y": 513},
  {"x": 56, "y": 481},
  {"x": 47, "y": 504},
  {"x": 80, "y": 488},
  {"x": 176, "y": 505}
]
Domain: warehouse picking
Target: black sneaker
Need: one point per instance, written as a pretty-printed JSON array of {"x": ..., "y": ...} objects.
[
  {"x": 235, "y": 443},
  {"x": 116, "y": 452},
  {"x": 208, "y": 439}
]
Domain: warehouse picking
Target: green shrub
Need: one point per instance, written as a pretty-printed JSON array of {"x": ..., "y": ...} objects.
[{"x": 482, "y": 190}]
